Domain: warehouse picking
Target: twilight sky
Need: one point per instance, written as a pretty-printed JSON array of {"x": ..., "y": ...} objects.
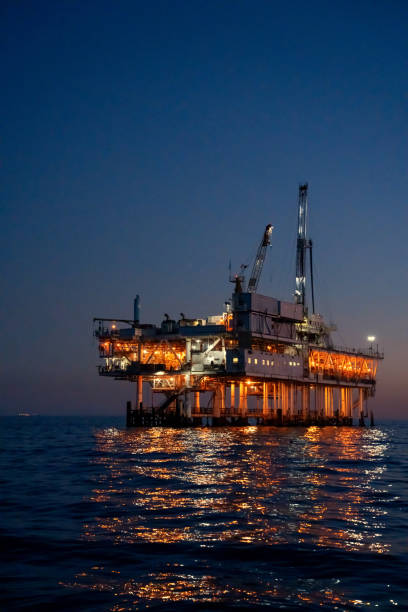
[{"x": 144, "y": 144}]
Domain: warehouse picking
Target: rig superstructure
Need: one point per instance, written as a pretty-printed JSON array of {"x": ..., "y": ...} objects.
[{"x": 263, "y": 360}]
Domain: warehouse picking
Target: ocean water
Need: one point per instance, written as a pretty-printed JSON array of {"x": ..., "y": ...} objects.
[{"x": 94, "y": 517}]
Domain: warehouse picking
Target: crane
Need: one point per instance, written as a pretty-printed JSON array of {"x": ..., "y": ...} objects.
[{"x": 259, "y": 260}]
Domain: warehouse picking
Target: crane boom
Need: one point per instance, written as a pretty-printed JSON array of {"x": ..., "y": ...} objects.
[{"x": 259, "y": 260}]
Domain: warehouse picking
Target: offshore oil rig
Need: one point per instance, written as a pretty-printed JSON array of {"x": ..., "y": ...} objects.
[{"x": 262, "y": 361}]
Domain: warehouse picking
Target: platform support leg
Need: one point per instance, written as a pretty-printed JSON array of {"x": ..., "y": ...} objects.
[
  {"x": 139, "y": 392},
  {"x": 305, "y": 402},
  {"x": 187, "y": 404},
  {"x": 196, "y": 402},
  {"x": 232, "y": 401},
  {"x": 265, "y": 407},
  {"x": 242, "y": 400}
]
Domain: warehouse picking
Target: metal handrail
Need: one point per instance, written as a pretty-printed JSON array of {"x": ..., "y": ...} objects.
[{"x": 367, "y": 352}]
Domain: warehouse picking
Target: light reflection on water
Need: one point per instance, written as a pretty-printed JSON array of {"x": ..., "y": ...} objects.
[
  {"x": 251, "y": 485},
  {"x": 237, "y": 489}
]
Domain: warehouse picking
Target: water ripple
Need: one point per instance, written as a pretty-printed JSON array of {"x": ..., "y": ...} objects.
[{"x": 108, "y": 519}]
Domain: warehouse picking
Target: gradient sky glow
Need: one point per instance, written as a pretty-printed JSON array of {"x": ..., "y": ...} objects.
[{"x": 144, "y": 144}]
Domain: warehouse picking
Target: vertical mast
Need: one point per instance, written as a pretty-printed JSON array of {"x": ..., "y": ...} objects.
[
  {"x": 311, "y": 274},
  {"x": 302, "y": 244}
]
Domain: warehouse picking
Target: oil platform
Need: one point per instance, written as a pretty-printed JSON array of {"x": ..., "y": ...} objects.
[{"x": 262, "y": 361}]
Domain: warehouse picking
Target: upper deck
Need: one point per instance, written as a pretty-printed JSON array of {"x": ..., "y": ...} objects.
[{"x": 260, "y": 337}]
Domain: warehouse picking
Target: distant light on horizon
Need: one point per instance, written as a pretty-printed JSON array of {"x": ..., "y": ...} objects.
[{"x": 371, "y": 338}]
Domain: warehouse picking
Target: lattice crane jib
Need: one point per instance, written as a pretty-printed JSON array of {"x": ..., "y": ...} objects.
[{"x": 260, "y": 259}]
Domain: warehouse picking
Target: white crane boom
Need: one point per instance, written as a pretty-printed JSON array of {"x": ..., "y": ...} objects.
[{"x": 259, "y": 260}]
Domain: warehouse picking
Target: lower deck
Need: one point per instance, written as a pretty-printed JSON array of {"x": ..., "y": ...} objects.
[
  {"x": 155, "y": 418},
  {"x": 255, "y": 402}
]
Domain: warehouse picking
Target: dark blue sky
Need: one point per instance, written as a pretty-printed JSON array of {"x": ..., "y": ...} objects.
[{"x": 145, "y": 144}]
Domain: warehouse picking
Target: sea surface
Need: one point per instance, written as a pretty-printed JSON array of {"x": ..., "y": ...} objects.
[{"x": 94, "y": 517}]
